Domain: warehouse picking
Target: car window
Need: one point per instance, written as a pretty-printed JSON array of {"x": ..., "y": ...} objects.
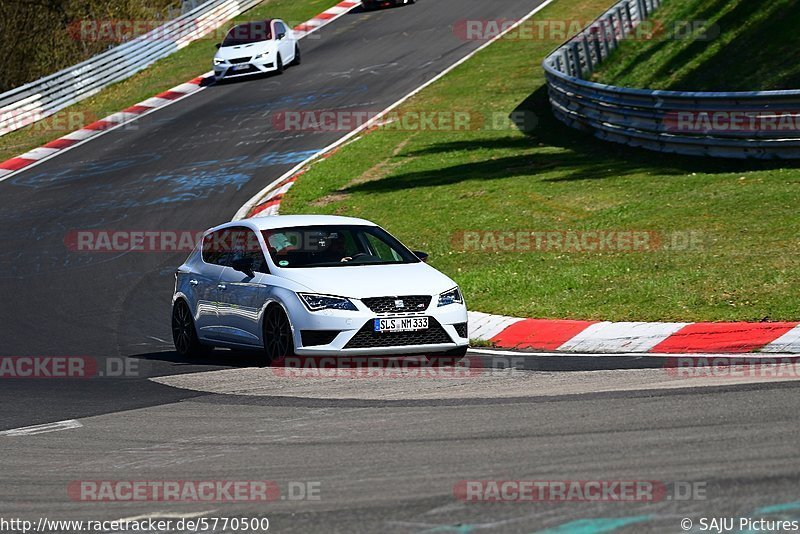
[
  {"x": 381, "y": 249},
  {"x": 246, "y": 245},
  {"x": 335, "y": 246},
  {"x": 252, "y": 32},
  {"x": 280, "y": 28},
  {"x": 216, "y": 249},
  {"x": 223, "y": 247}
]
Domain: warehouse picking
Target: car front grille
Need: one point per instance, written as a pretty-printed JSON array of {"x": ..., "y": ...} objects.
[
  {"x": 311, "y": 338},
  {"x": 238, "y": 60},
  {"x": 408, "y": 304},
  {"x": 367, "y": 338}
]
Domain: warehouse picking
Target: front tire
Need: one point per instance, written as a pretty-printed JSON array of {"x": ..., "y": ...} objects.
[
  {"x": 278, "y": 341},
  {"x": 280, "y": 68},
  {"x": 184, "y": 334},
  {"x": 297, "y": 59}
]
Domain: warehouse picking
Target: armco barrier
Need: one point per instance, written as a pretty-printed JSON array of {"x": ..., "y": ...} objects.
[
  {"x": 758, "y": 124},
  {"x": 46, "y": 96}
]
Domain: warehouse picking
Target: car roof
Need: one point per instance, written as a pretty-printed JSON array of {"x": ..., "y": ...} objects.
[
  {"x": 253, "y": 22},
  {"x": 288, "y": 221}
]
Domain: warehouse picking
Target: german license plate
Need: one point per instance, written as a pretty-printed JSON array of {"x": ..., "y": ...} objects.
[
  {"x": 401, "y": 324},
  {"x": 244, "y": 66}
]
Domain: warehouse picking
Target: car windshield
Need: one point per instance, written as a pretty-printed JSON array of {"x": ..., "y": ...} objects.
[
  {"x": 335, "y": 246},
  {"x": 252, "y": 32}
]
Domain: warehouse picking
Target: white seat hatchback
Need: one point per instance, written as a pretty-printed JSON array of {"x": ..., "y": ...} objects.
[
  {"x": 315, "y": 285},
  {"x": 256, "y": 47}
]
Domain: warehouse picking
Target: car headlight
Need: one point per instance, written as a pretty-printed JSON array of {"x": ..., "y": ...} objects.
[
  {"x": 326, "y": 302},
  {"x": 452, "y": 296},
  {"x": 259, "y": 56},
  {"x": 218, "y": 61}
]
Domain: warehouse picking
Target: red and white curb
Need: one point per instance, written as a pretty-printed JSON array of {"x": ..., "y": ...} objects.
[
  {"x": 325, "y": 17},
  {"x": 161, "y": 100},
  {"x": 90, "y": 131},
  {"x": 634, "y": 337}
]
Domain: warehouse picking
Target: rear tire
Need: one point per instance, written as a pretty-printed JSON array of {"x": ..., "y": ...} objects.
[
  {"x": 278, "y": 341},
  {"x": 297, "y": 59},
  {"x": 451, "y": 357},
  {"x": 280, "y": 68},
  {"x": 184, "y": 334}
]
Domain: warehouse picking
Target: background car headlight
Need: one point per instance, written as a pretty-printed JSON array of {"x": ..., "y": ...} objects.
[
  {"x": 218, "y": 61},
  {"x": 452, "y": 296},
  {"x": 326, "y": 302}
]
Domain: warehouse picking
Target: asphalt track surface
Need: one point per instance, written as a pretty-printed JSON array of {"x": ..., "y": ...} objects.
[{"x": 382, "y": 465}]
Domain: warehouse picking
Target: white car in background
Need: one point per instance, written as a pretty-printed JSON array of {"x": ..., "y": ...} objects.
[
  {"x": 256, "y": 47},
  {"x": 315, "y": 285}
]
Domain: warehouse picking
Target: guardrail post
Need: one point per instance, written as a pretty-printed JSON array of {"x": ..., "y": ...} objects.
[
  {"x": 598, "y": 54},
  {"x": 610, "y": 21},
  {"x": 587, "y": 54},
  {"x": 604, "y": 32},
  {"x": 565, "y": 59},
  {"x": 630, "y": 17},
  {"x": 576, "y": 56},
  {"x": 623, "y": 26}
]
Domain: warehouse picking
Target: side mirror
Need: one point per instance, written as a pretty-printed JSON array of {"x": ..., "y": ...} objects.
[
  {"x": 423, "y": 256},
  {"x": 281, "y": 36},
  {"x": 218, "y": 45},
  {"x": 244, "y": 265}
]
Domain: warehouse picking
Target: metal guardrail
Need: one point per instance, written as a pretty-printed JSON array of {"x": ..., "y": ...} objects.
[
  {"x": 758, "y": 124},
  {"x": 42, "y": 98}
]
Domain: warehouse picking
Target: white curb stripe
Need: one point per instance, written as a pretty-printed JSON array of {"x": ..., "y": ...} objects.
[
  {"x": 788, "y": 342},
  {"x": 154, "y": 102},
  {"x": 485, "y": 326},
  {"x": 621, "y": 337},
  {"x": 42, "y": 429},
  {"x": 80, "y": 135},
  {"x": 39, "y": 153}
]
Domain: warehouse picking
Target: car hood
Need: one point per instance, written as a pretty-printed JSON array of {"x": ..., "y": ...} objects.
[
  {"x": 246, "y": 50},
  {"x": 363, "y": 281}
]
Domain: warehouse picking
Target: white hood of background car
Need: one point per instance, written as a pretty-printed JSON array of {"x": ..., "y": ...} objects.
[
  {"x": 372, "y": 280},
  {"x": 245, "y": 50}
]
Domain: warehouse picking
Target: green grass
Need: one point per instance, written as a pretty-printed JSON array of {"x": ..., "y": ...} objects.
[
  {"x": 746, "y": 46},
  {"x": 178, "y": 68},
  {"x": 426, "y": 186}
]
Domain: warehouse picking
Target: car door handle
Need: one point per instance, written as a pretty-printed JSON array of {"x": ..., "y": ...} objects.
[
  {"x": 222, "y": 287},
  {"x": 193, "y": 282}
]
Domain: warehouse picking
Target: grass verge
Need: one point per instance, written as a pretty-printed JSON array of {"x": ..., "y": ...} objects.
[
  {"x": 739, "y": 45},
  {"x": 180, "y": 67},
  {"x": 428, "y": 186}
]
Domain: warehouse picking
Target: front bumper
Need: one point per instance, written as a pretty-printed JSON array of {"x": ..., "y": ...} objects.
[
  {"x": 229, "y": 70},
  {"x": 446, "y": 332}
]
